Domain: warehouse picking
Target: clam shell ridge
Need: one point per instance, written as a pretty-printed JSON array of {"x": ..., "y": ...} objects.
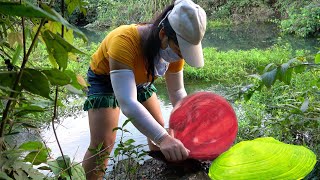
[{"x": 263, "y": 158}]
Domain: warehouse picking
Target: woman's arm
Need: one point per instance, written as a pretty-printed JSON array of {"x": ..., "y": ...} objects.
[
  {"x": 175, "y": 86},
  {"x": 124, "y": 86}
]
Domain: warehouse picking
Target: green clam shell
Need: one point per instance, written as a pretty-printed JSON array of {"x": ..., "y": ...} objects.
[{"x": 263, "y": 158}]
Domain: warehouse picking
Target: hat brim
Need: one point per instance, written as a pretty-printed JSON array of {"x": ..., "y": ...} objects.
[{"x": 191, "y": 53}]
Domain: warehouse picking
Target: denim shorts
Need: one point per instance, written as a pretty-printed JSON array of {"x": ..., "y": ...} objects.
[{"x": 101, "y": 95}]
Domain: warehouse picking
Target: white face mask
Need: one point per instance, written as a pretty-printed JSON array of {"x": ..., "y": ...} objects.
[
  {"x": 160, "y": 66},
  {"x": 169, "y": 55}
]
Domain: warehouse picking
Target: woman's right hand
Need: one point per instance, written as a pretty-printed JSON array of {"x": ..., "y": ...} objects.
[{"x": 173, "y": 149}]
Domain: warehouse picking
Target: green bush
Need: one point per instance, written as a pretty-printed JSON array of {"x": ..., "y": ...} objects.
[{"x": 304, "y": 21}]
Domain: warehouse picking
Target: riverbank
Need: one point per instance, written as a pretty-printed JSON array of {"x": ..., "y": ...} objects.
[{"x": 153, "y": 169}]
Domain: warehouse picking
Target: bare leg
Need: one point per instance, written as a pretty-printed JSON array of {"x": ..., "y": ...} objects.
[
  {"x": 153, "y": 106},
  {"x": 101, "y": 122}
]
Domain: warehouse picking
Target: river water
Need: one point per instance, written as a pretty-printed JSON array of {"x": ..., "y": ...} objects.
[{"x": 73, "y": 132}]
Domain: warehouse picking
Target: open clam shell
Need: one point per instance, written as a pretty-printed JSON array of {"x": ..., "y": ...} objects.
[{"x": 263, "y": 158}]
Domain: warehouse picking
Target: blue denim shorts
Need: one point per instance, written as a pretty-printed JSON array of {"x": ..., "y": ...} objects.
[{"x": 101, "y": 95}]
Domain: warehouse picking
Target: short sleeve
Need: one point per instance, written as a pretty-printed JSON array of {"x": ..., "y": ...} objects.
[
  {"x": 122, "y": 49},
  {"x": 176, "y": 66}
]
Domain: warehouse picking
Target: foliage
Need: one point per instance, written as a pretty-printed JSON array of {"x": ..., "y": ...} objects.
[
  {"x": 131, "y": 11},
  {"x": 302, "y": 21},
  {"x": 127, "y": 155},
  {"x": 288, "y": 109},
  {"x": 29, "y": 86},
  {"x": 231, "y": 66},
  {"x": 15, "y": 165},
  {"x": 63, "y": 168}
]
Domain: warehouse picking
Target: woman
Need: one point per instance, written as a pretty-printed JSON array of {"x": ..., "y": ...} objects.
[{"x": 122, "y": 72}]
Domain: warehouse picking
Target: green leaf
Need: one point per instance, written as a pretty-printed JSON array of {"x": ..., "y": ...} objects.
[
  {"x": 62, "y": 163},
  {"x": 32, "y": 146},
  {"x": 4, "y": 176},
  {"x": 116, "y": 128},
  {"x": 28, "y": 109},
  {"x": 7, "y": 79},
  {"x": 129, "y": 141},
  {"x": 16, "y": 54},
  {"x": 74, "y": 81},
  {"x": 77, "y": 172},
  {"x": 266, "y": 69},
  {"x": 299, "y": 69},
  {"x": 126, "y": 122},
  {"x": 57, "y": 77},
  {"x": 285, "y": 73},
  {"x": 35, "y": 82},
  {"x": 37, "y": 157},
  {"x": 269, "y": 78},
  {"x": 54, "y": 166},
  {"x": 248, "y": 95},
  {"x": 59, "y": 18},
  {"x": 317, "y": 58},
  {"x": 25, "y": 9},
  {"x": 116, "y": 152},
  {"x": 58, "y": 48},
  {"x": 72, "y": 89},
  {"x": 55, "y": 49}
]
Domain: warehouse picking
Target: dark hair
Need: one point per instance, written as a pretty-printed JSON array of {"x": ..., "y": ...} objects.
[{"x": 152, "y": 44}]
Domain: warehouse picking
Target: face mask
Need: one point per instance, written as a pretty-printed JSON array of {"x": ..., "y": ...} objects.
[
  {"x": 160, "y": 66},
  {"x": 169, "y": 55}
]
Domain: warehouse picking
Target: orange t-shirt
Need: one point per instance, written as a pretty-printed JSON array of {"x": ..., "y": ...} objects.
[{"x": 123, "y": 44}]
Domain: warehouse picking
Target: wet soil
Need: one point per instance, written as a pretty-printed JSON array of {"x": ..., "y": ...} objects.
[{"x": 154, "y": 169}]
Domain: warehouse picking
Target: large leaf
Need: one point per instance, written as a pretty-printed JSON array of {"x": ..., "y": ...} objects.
[
  {"x": 285, "y": 73},
  {"x": 31, "y": 146},
  {"x": 263, "y": 158},
  {"x": 28, "y": 109},
  {"x": 16, "y": 54},
  {"x": 57, "y": 77},
  {"x": 60, "y": 19},
  {"x": 27, "y": 9},
  {"x": 77, "y": 172},
  {"x": 35, "y": 82},
  {"x": 58, "y": 48},
  {"x": 37, "y": 157},
  {"x": 269, "y": 78},
  {"x": 74, "y": 80},
  {"x": 56, "y": 28}
]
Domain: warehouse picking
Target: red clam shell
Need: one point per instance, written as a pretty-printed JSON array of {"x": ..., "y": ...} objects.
[{"x": 205, "y": 123}]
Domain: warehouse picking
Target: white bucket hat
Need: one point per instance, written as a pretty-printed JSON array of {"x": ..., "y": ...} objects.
[{"x": 189, "y": 21}]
